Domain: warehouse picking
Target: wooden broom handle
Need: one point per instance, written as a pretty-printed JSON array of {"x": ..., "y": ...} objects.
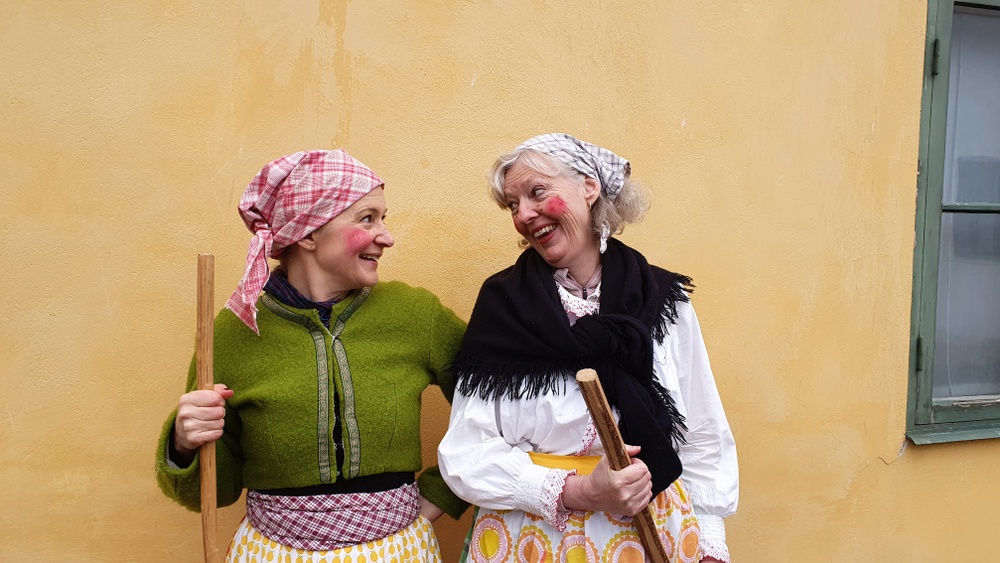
[
  {"x": 618, "y": 458},
  {"x": 203, "y": 366}
]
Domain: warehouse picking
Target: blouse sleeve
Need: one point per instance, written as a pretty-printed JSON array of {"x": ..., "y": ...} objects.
[
  {"x": 711, "y": 473},
  {"x": 480, "y": 466}
]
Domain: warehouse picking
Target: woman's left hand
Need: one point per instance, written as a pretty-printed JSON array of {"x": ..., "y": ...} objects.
[{"x": 429, "y": 510}]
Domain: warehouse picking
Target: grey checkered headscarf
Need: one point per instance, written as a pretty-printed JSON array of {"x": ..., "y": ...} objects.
[{"x": 585, "y": 158}]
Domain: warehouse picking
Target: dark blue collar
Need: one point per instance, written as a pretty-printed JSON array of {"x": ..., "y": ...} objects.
[{"x": 277, "y": 285}]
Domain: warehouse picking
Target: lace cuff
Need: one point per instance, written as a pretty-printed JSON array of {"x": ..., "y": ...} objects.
[
  {"x": 554, "y": 513},
  {"x": 713, "y": 537},
  {"x": 540, "y": 492}
]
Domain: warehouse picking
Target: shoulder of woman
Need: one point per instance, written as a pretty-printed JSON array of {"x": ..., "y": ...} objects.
[
  {"x": 680, "y": 280},
  {"x": 401, "y": 294},
  {"x": 685, "y": 311},
  {"x": 226, "y": 322},
  {"x": 501, "y": 282},
  {"x": 232, "y": 335}
]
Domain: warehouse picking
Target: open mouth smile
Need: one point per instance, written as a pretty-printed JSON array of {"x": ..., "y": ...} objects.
[{"x": 543, "y": 231}]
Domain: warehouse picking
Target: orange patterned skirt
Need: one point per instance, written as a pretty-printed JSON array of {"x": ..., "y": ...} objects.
[{"x": 512, "y": 536}]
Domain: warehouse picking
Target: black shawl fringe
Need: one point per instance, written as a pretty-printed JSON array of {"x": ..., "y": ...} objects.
[
  {"x": 493, "y": 381},
  {"x": 680, "y": 290},
  {"x": 678, "y": 426}
]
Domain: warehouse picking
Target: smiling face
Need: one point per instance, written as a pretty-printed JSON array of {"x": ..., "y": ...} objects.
[
  {"x": 553, "y": 214},
  {"x": 343, "y": 254}
]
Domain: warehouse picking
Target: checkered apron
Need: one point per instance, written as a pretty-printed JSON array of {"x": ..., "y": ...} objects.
[{"x": 325, "y": 522}]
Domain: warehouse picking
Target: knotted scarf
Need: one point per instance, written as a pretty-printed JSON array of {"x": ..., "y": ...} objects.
[
  {"x": 288, "y": 199},
  {"x": 586, "y": 158}
]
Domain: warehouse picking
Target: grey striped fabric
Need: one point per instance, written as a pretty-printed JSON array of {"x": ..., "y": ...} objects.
[{"x": 585, "y": 158}]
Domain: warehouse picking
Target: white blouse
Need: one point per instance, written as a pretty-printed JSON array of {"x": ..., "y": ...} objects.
[{"x": 483, "y": 456}]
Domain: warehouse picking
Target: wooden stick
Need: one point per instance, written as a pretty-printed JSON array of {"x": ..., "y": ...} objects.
[
  {"x": 618, "y": 459},
  {"x": 203, "y": 366}
]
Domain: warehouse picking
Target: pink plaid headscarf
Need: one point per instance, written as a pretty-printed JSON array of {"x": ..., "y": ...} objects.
[{"x": 288, "y": 199}]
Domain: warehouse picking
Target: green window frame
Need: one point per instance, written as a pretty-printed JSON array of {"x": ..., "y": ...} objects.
[{"x": 935, "y": 419}]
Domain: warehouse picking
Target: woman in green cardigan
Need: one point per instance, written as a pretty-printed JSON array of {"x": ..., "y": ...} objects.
[{"x": 318, "y": 412}]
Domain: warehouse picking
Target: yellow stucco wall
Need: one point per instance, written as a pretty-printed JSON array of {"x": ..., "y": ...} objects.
[{"x": 778, "y": 137}]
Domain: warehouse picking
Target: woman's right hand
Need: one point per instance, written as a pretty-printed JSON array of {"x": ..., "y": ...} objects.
[
  {"x": 200, "y": 418},
  {"x": 618, "y": 492}
]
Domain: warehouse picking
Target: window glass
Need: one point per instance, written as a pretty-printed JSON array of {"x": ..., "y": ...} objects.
[
  {"x": 967, "y": 341},
  {"x": 972, "y": 146},
  {"x": 967, "y": 335}
]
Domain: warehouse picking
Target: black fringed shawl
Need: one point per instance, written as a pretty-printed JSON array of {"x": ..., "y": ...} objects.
[{"x": 519, "y": 344}]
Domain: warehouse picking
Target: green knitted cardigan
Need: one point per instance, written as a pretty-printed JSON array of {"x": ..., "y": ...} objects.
[{"x": 385, "y": 345}]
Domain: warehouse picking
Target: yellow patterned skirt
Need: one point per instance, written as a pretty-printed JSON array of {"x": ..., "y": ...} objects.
[
  {"x": 512, "y": 536},
  {"x": 416, "y": 543}
]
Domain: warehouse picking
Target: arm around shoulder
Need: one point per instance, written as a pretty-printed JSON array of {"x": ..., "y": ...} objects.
[{"x": 445, "y": 339}]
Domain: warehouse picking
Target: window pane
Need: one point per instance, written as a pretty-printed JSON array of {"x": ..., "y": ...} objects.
[
  {"x": 967, "y": 347},
  {"x": 972, "y": 145}
]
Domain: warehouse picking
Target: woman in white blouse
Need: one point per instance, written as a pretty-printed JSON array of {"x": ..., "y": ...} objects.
[{"x": 521, "y": 444}]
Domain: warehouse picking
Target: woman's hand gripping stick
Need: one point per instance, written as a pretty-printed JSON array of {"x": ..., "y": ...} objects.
[{"x": 618, "y": 458}]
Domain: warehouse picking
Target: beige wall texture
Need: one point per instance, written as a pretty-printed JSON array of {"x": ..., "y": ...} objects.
[{"x": 778, "y": 138}]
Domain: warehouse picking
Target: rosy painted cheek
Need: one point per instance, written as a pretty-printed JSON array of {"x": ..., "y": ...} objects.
[
  {"x": 358, "y": 240},
  {"x": 519, "y": 227},
  {"x": 554, "y": 207}
]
